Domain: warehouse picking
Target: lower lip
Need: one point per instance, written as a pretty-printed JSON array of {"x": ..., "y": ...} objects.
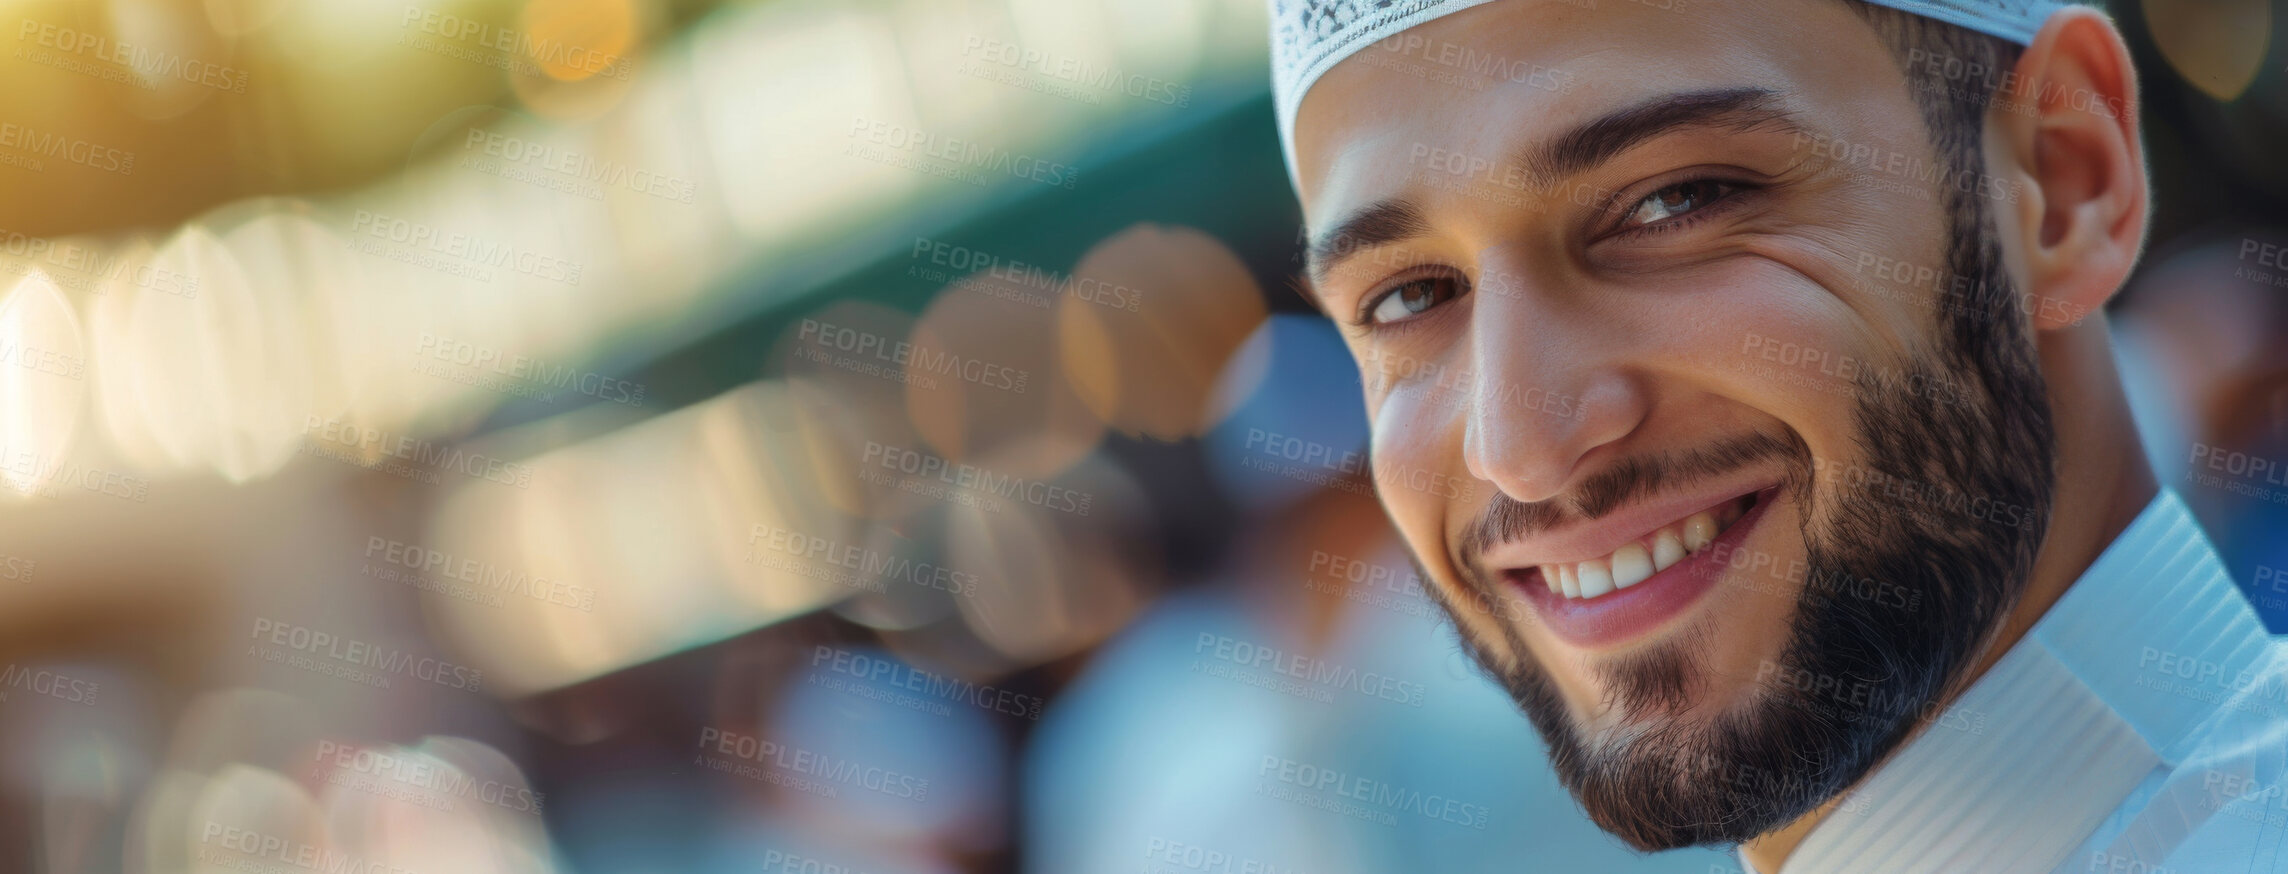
[{"x": 1625, "y": 615}]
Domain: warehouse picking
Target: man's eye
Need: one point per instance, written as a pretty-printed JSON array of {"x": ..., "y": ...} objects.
[
  {"x": 1411, "y": 299},
  {"x": 1676, "y": 200}
]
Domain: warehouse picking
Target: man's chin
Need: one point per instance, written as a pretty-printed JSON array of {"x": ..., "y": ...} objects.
[
  {"x": 1665, "y": 681},
  {"x": 1714, "y": 774}
]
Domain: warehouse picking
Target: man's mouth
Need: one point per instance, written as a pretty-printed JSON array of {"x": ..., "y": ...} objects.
[
  {"x": 1636, "y": 561},
  {"x": 1649, "y": 580}
]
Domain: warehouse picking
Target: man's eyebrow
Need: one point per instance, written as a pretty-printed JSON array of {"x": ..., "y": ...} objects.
[
  {"x": 1606, "y": 137},
  {"x": 1384, "y": 221},
  {"x": 1579, "y": 148}
]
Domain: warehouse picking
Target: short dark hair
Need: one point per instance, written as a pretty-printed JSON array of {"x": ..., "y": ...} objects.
[{"x": 1955, "y": 75}]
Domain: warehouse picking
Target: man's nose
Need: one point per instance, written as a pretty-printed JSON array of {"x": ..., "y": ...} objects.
[{"x": 1550, "y": 388}]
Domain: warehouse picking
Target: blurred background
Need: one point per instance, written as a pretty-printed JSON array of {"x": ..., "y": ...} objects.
[{"x": 793, "y": 435}]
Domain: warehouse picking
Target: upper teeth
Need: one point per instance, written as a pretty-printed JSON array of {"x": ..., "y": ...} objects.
[{"x": 1638, "y": 560}]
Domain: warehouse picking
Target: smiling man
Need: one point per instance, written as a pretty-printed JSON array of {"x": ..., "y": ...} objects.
[{"x": 1809, "y": 515}]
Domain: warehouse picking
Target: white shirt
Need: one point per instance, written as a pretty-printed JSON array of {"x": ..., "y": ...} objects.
[{"x": 2140, "y": 727}]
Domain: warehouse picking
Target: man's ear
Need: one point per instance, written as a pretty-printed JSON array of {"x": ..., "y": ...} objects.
[{"x": 2064, "y": 129}]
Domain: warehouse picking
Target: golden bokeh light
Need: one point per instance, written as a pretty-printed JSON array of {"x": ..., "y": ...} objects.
[
  {"x": 1148, "y": 323},
  {"x": 846, "y": 401},
  {"x": 43, "y": 381},
  {"x": 983, "y": 375},
  {"x": 241, "y": 345},
  {"x": 634, "y": 544},
  {"x": 572, "y": 40},
  {"x": 1056, "y": 563},
  {"x": 2217, "y": 45},
  {"x": 236, "y": 18}
]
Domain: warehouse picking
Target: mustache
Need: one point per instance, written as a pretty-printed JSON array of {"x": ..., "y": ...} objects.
[{"x": 1506, "y": 518}]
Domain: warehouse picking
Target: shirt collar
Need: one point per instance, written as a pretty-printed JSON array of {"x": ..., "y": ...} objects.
[{"x": 2110, "y": 683}]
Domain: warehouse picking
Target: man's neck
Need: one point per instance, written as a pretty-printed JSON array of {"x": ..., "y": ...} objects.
[{"x": 2110, "y": 484}]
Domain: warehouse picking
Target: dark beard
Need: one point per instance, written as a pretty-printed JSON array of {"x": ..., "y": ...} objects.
[{"x": 1908, "y": 579}]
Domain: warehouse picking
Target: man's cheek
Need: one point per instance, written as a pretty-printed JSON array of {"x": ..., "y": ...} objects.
[
  {"x": 1408, "y": 461},
  {"x": 1414, "y": 454}
]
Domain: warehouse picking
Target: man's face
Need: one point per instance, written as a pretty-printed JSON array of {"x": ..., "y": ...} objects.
[{"x": 1652, "y": 308}]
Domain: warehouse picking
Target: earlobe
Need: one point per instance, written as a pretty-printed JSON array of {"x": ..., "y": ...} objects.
[{"x": 2068, "y": 130}]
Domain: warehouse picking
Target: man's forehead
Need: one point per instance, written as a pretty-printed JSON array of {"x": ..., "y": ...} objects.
[{"x": 1380, "y": 100}]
